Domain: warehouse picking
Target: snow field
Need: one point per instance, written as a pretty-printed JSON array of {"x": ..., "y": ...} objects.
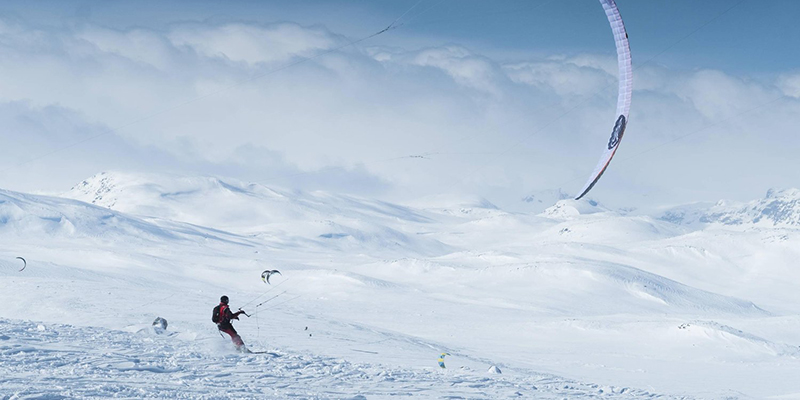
[{"x": 579, "y": 301}]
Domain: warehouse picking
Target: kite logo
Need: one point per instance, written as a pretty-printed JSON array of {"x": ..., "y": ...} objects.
[{"x": 619, "y": 130}]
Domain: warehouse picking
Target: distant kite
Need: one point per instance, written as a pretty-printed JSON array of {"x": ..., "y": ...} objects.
[
  {"x": 441, "y": 359},
  {"x": 24, "y": 263},
  {"x": 160, "y": 323},
  {"x": 266, "y": 274}
]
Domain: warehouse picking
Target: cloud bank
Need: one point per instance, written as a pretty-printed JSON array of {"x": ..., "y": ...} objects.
[{"x": 394, "y": 122}]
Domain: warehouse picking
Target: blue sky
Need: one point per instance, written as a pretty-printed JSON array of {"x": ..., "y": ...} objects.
[
  {"x": 507, "y": 98},
  {"x": 751, "y": 37}
]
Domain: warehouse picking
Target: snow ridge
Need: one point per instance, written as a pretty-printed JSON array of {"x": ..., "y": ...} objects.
[{"x": 778, "y": 208}]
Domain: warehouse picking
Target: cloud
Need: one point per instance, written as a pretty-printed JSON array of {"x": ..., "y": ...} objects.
[
  {"x": 718, "y": 95},
  {"x": 34, "y": 162},
  {"x": 566, "y": 77},
  {"x": 464, "y": 67},
  {"x": 789, "y": 84},
  {"x": 148, "y": 48},
  {"x": 251, "y": 43},
  {"x": 212, "y": 98}
]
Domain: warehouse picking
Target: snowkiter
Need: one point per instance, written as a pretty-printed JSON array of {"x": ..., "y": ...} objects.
[{"x": 222, "y": 316}]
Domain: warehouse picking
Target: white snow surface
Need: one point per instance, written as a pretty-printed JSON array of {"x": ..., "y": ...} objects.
[{"x": 576, "y": 302}]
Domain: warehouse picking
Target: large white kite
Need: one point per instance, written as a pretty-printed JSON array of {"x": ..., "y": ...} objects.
[{"x": 625, "y": 91}]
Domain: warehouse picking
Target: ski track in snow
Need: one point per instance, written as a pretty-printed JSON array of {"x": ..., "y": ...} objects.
[{"x": 63, "y": 361}]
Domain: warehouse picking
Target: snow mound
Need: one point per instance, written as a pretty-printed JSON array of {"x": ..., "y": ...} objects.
[
  {"x": 594, "y": 288},
  {"x": 612, "y": 229},
  {"x": 539, "y": 201},
  {"x": 728, "y": 337},
  {"x": 464, "y": 207},
  {"x": 567, "y": 209},
  {"x": 661, "y": 291}
]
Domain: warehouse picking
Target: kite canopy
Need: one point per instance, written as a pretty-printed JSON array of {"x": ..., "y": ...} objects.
[
  {"x": 160, "y": 323},
  {"x": 441, "y": 359},
  {"x": 24, "y": 263},
  {"x": 624, "y": 97},
  {"x": 266, "y": 274}
]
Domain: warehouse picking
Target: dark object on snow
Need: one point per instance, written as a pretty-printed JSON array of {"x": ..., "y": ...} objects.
[
  {"x": 160, "y": 323},
  {"x": 222, "y": 316}
]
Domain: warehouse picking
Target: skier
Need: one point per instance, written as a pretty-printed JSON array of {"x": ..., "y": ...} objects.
[{"x": 222, "y": 316}]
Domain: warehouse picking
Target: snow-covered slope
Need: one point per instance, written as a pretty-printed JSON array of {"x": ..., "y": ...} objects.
[
  {"x": 778, "y": 208},
  {"x": 578, "y": 301},
  {"x": 226, "y": 203},
  {"x": 331, "y": 221},
  {"x": 31, "y": 215},
  {"x": 99, "y": 363},
  {"x": 539, "y": 201}
]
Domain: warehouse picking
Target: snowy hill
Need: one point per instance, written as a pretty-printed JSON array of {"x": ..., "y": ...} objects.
[
  {"x": 540, "y": 200},
  {"x": 564, "y": 209},
  {"x": 778, "y": 208},
  {"x": 578, "y": 301},
  {"x": 216, "y": 202},
  {"x": 338, "y": 221},
  {"x": 46, "y": 218}
]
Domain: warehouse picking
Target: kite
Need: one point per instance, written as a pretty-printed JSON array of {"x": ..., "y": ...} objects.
[
  {"x": 266, "y": 274},
  {"x": 24, "y": 263},
  {"x": 623, "y": 98},
  {"x": 160, "y": 323},
  {"x": 441, "y": 359}
]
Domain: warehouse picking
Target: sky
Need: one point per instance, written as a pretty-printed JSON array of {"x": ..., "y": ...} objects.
[{"x": 498, "y": 100}]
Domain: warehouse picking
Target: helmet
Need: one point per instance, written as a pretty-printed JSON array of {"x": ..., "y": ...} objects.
[{"x": 223, "y": 299}]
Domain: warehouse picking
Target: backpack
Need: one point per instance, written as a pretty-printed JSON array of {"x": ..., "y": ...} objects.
[
  {"x": 220, "y": 314},
  {"x": 215, "y": 317}
]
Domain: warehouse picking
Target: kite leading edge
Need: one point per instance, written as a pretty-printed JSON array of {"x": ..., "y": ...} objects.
[{"x": 625, "y": 92}]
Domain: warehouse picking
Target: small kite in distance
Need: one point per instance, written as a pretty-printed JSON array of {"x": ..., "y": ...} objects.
[
  {"x": 266, "y": 274},
  {"x": 24, "y": 263},
  {"x": 441, "y": 359}
]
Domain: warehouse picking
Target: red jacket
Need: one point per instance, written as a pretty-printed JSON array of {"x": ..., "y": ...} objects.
[{"x": 226, "y": 315}]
